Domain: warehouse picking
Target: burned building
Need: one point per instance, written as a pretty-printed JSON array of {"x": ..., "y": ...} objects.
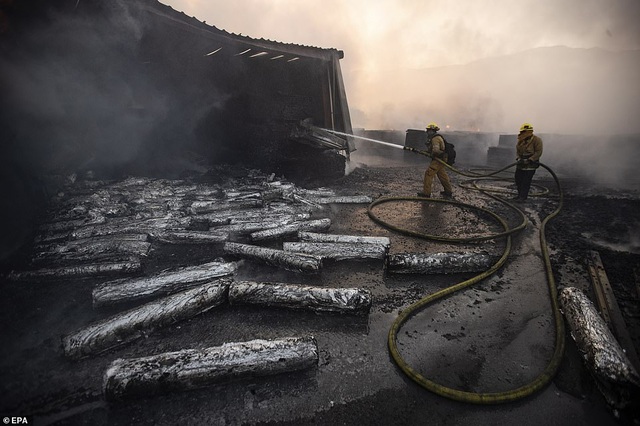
[{"x": 136, "y": 88}]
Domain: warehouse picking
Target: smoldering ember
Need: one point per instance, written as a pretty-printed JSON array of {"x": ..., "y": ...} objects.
[{"x": 193, "y": 233}]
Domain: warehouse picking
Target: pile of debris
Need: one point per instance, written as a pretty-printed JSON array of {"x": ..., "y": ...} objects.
[
  {"x": 97, "y": 229},
  {"x": 108, "y": 229}
]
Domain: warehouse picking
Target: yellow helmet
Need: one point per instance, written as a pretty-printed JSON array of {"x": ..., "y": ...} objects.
[
  {"x": 526, "y": 126},
  {"x": 433, "y": 126}
]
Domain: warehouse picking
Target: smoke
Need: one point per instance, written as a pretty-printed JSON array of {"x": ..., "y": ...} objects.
[
  {"x": 472, "y": 65},
  {"x": 75, "y": 93}
]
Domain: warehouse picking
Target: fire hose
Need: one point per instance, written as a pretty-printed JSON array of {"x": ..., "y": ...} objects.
[{"x": 553, "y": 364}]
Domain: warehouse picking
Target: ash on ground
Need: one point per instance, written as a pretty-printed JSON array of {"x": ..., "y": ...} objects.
[{"x": 492, "y": 337}]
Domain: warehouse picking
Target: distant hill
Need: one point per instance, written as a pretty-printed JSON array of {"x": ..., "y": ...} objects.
[{"x": 558, "y": 89}]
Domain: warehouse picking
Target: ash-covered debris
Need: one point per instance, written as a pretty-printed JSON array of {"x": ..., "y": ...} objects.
[
  {"x": 123, "y": 221},
  {"x": 138, "y": 322},
  {"x": 337, "y": 250},
  {"x": 166, "y": 282},
  {"x": 296, "y": 296},
  {"x": 193, "y": 368},
  {"x": 612, "y": 370},
  {"x": 439, "y": 263},
  {"x": 139, "y": 215}
]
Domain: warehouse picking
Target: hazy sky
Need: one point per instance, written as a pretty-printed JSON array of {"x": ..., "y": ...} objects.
[{"x": 380, "y": 36}]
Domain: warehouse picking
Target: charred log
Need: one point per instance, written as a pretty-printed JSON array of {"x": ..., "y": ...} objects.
[
  {"x": 248, "y": 226},
  {"x": 196, "y": 368},
  {"x": 236, "y": 216},
  {"x": 342, "y": 199},
  {"x": 291, "y": 229},
  {"x": 337, "y": 238},
  {"x": 68, "y": 225},
  {"x": 602, "y": 353},
  {"x": 279, "y": 258},
  {"x": 118, "y": 291},
  {"x": 199, "y": 207},
  {"x": 439, "y": 263},
  {"x": 342, "y": 300},
  {"x": 78, "y": 271},
  {"x": 128, "y": 226},
  {"x": 189, "y": 237},
  {"x": 87, "y": 249},
  {"x": 338, "y": 251},
  {"x": 138, "y": 322}
]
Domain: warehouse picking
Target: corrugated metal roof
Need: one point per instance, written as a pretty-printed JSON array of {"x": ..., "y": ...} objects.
[{"x": 158, "y": 8}]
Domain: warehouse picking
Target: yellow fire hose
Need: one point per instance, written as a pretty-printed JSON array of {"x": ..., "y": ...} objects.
[{"x": 552, "y": 366}]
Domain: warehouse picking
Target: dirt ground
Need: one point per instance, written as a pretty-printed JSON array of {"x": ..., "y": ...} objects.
[{"x": 494, "y": 336}]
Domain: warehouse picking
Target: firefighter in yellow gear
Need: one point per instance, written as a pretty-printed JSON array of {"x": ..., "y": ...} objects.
[
  {"x": 435, "y": 148},
  {"x": 528, "y": 151}
]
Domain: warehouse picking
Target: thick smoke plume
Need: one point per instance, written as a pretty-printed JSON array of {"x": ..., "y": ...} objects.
[
  {"x": 472, "y": 65},
  {"x": 69, "y": 92}
]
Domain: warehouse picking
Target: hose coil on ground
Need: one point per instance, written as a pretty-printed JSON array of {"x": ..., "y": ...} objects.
[{"x": 552, "y": 366}]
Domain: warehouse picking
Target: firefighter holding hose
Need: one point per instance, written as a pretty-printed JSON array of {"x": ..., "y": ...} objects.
[
  {"x": 436, "y": 149},
  {"x": 529, "y": 151}
]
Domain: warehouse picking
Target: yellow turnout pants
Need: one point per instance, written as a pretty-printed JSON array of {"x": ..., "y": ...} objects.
[{"x": 436, "y": 168}]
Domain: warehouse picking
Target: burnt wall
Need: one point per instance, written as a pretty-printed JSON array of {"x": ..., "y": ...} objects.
[
  {"x": 126, "y": 87},
  {"x": 232, "y": 107}
]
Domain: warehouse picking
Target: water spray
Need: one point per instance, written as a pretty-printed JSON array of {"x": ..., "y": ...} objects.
[
  {"x": 392, "y": 145},
  {"x": 366, "y": 139}
]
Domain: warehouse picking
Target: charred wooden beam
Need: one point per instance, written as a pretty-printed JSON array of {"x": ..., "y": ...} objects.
[
  {"x": 290, "y": 261},
  {"x": 140, "y": 321},
  {"x": 89, "y": 249},
  {"x": 338, "y": 238},
  {"x": 285, "y": 206},
  {"x": 128, "y": 226},
  {"x": 276, "y": 218},
  {"x": 198, "y": 207},
  {"x": 234, "y": 216},
  {"x": 237, "y": 195},
  {"x": 68, "y": 225},
  {"x": 72, "y": 245},
  {"x": 273, "y": 209},
  {"x": 195, "y": 368},
  {"x": 343, "y": 300},
  {"x": 247, "y": 226},
  {"x": 167, "y": 282},
  {"x": 306, "y": 202},
  {"x": 189, "y": 237},
  {"x": 74, "y": 260},
  {"x": 602, "y": 354},
  {"x": 317, "y": 192},
  {"x": 78, "y": 271},
  {"x": 338, "y": 251},
  {"x": 291, "y": 229},
  {"x": 439, "y": 263},
  {"x": 342, "y": 199}
]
